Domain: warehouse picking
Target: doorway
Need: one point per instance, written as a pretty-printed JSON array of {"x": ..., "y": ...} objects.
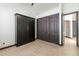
[{"x": 70, "y": 29}]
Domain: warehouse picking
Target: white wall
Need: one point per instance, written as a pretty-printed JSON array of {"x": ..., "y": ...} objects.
[
  {"x": 7, "y": 21},
  {"x": 70, "y": 7}
]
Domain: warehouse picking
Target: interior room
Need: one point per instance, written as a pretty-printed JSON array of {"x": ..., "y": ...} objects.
[
  {"x": 70, "y": 29},
  {"x": 39, "y": 29}
]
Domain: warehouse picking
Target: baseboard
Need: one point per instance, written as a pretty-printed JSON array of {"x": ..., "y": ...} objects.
[{"x": 7, "y": 47}]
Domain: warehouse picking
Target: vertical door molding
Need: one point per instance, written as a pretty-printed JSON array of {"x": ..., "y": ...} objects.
[
  {"x": 77, "y": 29},
  {"x": 60, "y": 24},
  {"x": 35, "y": 28}
]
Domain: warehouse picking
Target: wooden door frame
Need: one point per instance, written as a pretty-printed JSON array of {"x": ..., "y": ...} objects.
[{"x": 62, "y": 40}]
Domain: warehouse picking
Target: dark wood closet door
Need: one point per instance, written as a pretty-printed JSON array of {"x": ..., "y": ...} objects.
[
  {"x": 25, "y": 29},
  {"x": 42, "y": 29},
  {"x": 31, "y": 30},
  {"x": 48, "y": 28},
  {"x": 52, "y": 28},
  {"x": 56, "y": 28}
]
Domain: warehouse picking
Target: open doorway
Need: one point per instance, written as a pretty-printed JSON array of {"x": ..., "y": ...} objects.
[{"x": 70, "y": 27}]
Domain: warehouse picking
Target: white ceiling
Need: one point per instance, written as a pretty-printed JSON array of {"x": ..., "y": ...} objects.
[
  {"x": 39, "y": 8},
  {"x": 36, "y": 9},
  {"x": 44, "y": 6}
]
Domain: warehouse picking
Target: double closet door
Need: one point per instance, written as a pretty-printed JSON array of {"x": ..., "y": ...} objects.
[
  {"x": 25, "y": 29},
  {"x": 43, "y": 31},
  {"x": 48, "y": 28}
]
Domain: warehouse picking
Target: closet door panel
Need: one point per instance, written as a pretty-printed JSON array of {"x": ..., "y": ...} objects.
[
  {"x": 56, "y": 28},
  {"x": 21, "y": 31},
  {"x": 48, "y": 28},
  {"x": 39, "y": 29},
  {"x": 25, "y": 29},
  {"x": 52, "y": 28},
  {"x": 31, "y": 31},
  {"x": 42, "y": 29},
  {"x": 45, "y": 37}
]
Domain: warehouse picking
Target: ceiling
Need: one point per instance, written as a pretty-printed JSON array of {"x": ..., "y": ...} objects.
[
  {"x": 42, "y": 7},
  {"x": 39, "y": 8},
  {"x": 36, "y": 9}
]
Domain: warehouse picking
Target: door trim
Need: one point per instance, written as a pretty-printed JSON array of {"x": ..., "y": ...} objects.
[{"x": 76, "y": 26}]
